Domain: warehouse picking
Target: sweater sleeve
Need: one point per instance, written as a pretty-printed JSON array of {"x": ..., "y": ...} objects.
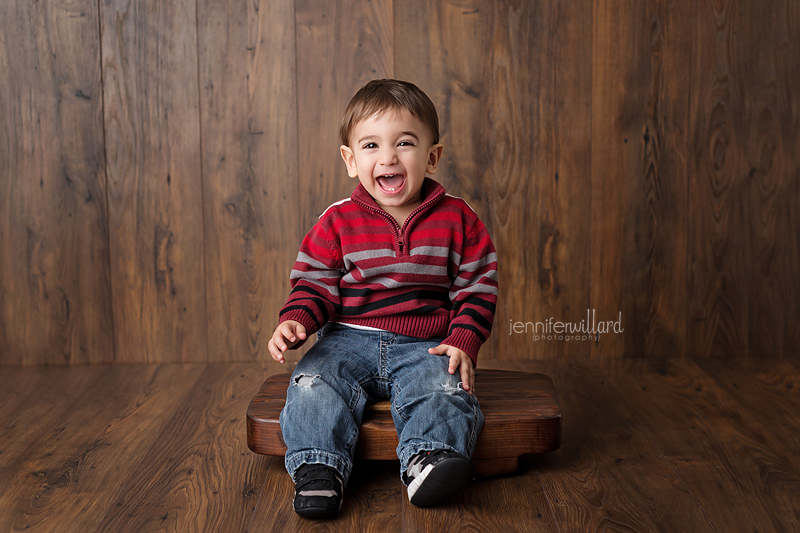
[
  {"x": 474, "y": 294},
  {"x": 315, "y": 281}
]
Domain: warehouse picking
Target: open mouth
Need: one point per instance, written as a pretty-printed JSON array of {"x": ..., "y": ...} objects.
[{"x": 391, "y": 183}]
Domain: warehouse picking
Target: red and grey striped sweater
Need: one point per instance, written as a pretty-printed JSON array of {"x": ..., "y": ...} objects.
[{"x": 434, "y": 277}]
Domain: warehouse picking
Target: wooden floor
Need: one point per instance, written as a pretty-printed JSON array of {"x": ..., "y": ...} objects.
[{"x": 676, "y": 445}]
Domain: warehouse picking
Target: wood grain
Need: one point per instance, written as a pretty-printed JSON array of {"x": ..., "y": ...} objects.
[
  {"x": 767, "y": 62},
  {"x": 541, "y": 171},
  {"x": 76, "y": 468},
  {"x": 768, "y": 390},
  {"x": 340, "y": 47},
  {"x": 640, "y": 113},
  {"x": 608, "y": 474},
  {"x": 719, "y": 264},
  {"x": 485, "y": 506},
  {"x": 720, "y": 451},
  {"x": 150, "y": 87},
  {"x": 198, "y": 475},
  {"x": 246, "y": 53},
  {"x": 648, "y": 446},
  {"x": 55, "y": 293},
  {"x": 42, "y": 399},
  {"x": 160, "y": 162},
  {"x": 371, "y": 502},
  {"x": 788, "y": 58},
  {"x": 17, "y": 385}
]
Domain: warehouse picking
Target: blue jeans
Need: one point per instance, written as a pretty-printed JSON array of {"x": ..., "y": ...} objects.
[{"x": 348, "y": 368}]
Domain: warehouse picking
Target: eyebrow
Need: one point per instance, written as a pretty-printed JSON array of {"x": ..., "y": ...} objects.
[{"x": 369, "y": 137}]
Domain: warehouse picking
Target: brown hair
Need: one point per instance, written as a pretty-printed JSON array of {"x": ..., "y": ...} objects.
[{"x": 379, "y": 96}]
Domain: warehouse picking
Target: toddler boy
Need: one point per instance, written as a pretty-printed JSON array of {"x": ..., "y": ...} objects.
[{"x": 392, "y": 279}]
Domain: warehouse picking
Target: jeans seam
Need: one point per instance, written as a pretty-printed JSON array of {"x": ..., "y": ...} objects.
[
  {"x": 398, "y": 409},
  {"x": 351, "y": 442},
  {"x": 474, "y": 429},
  {"x": 354, "y": 398},
  {"x": 382, "y": 364}
]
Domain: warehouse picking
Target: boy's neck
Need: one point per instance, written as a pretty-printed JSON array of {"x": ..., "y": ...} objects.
[{"x": 401, "y": 213}]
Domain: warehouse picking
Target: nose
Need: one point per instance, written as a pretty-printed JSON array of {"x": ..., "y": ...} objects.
[{"x": 387, "y": 156}]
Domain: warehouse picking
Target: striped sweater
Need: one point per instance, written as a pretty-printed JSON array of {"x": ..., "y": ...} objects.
[{"x": 434, "y": 277}]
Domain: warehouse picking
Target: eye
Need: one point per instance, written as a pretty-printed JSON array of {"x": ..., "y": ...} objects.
[
  {"x": 369, "y": 146},
  {"x": 406, "y": 143}
]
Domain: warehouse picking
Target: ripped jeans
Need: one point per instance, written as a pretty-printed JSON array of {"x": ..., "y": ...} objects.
[{"x": 348, "y": 368}]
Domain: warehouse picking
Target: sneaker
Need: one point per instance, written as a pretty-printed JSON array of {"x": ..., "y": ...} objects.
[
  {"x": 318, "y": 491},
  {"x": 433, "y": 476}
]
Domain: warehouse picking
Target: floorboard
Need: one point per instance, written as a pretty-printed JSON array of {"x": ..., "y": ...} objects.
[
  {"x": 666, "y": 445},
  {"x": 34, "y": 414},
  {"x": 68, "y": 481},
  {"x": 739, "y": 474},
  {"x": 491, "y": 504},
  {"x": 39, "y": 394},
  {"x": 768, "y": 391},
  {"x": 608, "y": 475},
  {"x": 199, "y": 474},
  {"x": 372, "y": 502},
  {"x": 17, "y": 385}
]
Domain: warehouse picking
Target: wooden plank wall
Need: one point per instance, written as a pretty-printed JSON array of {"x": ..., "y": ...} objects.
[{"x": 160, "y": 162}]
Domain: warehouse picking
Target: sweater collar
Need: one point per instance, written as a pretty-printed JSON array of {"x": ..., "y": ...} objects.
[{"x": 432, "y": 191}]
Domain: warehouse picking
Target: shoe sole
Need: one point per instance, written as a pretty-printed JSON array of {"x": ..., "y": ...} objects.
[
  {"x": 318, "y": 509},
  {"x": 317, "y": 512},
  {"x": 442, "y": 480}
]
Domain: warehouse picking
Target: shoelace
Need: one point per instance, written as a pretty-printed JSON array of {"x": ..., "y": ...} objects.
[{"x": 415, "y": 466}]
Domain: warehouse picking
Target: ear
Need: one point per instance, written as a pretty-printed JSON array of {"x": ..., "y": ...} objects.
[
  {"x": 434, "y": 156},
  {"x": 349, "y": 161}
]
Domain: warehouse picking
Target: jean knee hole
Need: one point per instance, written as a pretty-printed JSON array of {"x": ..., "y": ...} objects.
[
  {"x": 451, "y": 386},
  {"x": 305, "y": 381}
]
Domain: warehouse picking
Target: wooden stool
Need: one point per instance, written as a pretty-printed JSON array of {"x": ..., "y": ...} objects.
[{"x": 521, "y": 414}]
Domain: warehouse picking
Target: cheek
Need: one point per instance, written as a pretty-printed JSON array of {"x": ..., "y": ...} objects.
[
  {"x": 415, "y": 161},
  {"x": 365, "y": 162}
]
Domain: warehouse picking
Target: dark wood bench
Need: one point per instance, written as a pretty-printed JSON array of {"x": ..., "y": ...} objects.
[{"x": 521, "y": 412}]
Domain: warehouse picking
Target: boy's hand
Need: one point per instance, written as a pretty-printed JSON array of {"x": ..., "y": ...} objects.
[
  {"x": 458, "y": 360},
  {"x": 286, "y": 335}
]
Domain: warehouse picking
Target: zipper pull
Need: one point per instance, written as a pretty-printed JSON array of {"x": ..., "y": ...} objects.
[{"x": 400, "y": 243}]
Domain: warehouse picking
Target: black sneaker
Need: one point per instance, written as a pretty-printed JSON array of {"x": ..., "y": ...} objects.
[
  {"x": 433, "y": 476},
  {"x": 318, "y": 491}
]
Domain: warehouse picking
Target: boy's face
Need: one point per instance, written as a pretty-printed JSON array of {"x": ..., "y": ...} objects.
[{"x": 390, "y": 154}]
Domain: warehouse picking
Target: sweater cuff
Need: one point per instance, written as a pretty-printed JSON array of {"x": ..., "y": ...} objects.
[
  {"x": 298, "y": 315},
  {"x": 466, "y": 341}
]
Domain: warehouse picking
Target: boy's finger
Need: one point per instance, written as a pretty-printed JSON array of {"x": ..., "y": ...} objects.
[
  {"x": 288, "y": 332},
  {"x": 465, "y": 378},
  {"x": 273, "y": 350},
  {"x": 453, "y": 365},
  {"x": 280, "y": 341}
]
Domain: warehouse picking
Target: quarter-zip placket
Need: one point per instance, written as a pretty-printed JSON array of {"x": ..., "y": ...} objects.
[
  {"x": 405, "y": 232},
  {"x": 401, "y": 234},
  {"x": 398, "y": 232}
]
